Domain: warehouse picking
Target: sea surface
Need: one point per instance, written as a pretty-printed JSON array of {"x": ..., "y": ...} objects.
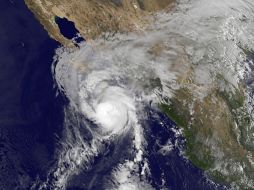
[{"x": 31, "y": 111}]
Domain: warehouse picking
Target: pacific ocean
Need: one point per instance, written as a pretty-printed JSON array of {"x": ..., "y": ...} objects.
[{"x": 31, "y": 111}]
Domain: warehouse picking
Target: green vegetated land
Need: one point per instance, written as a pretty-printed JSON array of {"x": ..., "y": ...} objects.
[{"x": 214, "y": 129}]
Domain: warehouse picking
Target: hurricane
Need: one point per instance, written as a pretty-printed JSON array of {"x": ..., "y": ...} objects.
[{"x": 111, "y": 81}]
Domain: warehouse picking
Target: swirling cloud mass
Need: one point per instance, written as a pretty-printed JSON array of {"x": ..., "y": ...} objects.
[{"x": 109, "y": 83}]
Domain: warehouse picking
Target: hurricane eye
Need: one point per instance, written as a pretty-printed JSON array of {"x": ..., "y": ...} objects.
[{"x": 111, "y": 115}]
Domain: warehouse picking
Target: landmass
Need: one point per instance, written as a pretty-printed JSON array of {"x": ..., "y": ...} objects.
[
  {"x": 95, "y": 17},
  {"x": 215, "y": 126}
]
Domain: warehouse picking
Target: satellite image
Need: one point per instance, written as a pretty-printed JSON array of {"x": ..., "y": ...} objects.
[{"x": 126, "y": 95}]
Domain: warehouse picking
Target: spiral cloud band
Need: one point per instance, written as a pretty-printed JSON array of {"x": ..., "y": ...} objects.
[{"x": 110, "y": 82}]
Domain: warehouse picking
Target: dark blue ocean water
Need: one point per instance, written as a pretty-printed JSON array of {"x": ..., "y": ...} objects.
[
  {"x": 31, "y": 114},
  {"x": 68, "y": 29}
]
